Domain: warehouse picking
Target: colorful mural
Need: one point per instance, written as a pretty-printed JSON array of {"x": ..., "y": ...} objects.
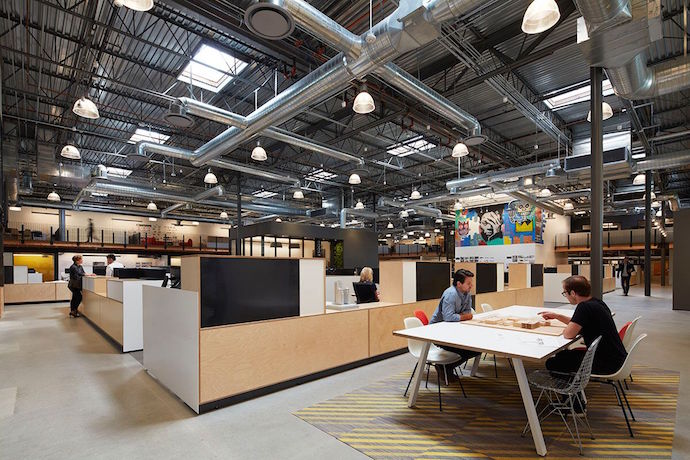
[{"x": 513, "y": 223}]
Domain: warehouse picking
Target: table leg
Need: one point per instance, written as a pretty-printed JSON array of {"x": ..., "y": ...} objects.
[
  {"x": 421, "y": 364},
  {"x": 529, "y": 407},
  {"x": 475, "y": 365}
]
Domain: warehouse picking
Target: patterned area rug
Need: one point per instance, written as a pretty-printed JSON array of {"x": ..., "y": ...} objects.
[{"x": 376, "y": 420}]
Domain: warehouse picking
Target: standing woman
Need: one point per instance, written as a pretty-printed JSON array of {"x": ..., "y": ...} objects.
[{"x": 76, "y": 273}]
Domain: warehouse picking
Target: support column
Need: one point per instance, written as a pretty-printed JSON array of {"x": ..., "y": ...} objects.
[
  {"x": 663, "y": 244},
  {"x": 239, "y": 247},
  {"x": 62, "y": 227},
  {"x": 596, "y": 257},
  {"x": 648, "y": 234}
]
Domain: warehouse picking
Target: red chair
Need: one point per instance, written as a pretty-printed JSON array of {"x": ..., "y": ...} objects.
[
  {"x": 624, "y": 329},
  {"x": 421, "y": 316}
]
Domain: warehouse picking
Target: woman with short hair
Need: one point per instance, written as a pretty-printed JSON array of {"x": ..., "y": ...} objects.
[
  {"x": 76, "y": 273},
  {"x": 366, "y": 276}
]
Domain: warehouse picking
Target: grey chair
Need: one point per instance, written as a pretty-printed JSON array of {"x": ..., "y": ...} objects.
[{"x": 563, "y": 391}]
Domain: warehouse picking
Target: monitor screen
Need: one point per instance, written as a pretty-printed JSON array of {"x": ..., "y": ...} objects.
[{"x": 365, "y": 292}]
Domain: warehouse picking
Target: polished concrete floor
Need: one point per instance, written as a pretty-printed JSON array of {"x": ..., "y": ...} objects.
[{"x": 65, "y": 392}]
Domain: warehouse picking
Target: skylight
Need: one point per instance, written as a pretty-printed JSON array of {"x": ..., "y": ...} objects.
[
  {"x": 409, "y": 146},
  {"x": 319, "y": 175},
  {"x": 118, "y": 172},
  {"x": 211, "y": 69},
  {"x": 264, "y": 194},
  {"x": 577, "y": 95},
  {"x": 149, "y": 136}
]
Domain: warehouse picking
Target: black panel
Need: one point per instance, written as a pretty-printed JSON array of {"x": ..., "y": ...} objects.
[
  {"x": 9, "y": 274},
  {"x": 505, "y": 277},
  {"x": 550, "y": 269},
  {"x": 244, "y": 290},
  {"x": 99, "y": 270},
  {"x": 537, "y": 275},
  {"x": 153, "y": 273},
  {"x": 574, "y": 269},
  {"x": 365, "y": 292},
  {"x": 432, "y": 279},
  {"x": 485, "y": 279}
]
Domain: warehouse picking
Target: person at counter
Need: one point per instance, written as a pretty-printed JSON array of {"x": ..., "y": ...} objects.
[
  {"x": 112, "y": 265},
  {"x": 365, "y": 289},
  {"x": 76, "y": 273},
  {"x": 591, "y": 319},
  {"x": 456, "y": 305}
]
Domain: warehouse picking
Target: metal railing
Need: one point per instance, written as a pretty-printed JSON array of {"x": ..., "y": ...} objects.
[{"x": 612, "y": 238}]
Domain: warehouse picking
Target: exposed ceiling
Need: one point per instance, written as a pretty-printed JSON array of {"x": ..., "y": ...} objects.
[{"x": 128, "y": 63}]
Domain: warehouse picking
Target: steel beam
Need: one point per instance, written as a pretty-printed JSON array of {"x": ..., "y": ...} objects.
[
  {"x": 648, "y": 234},
  {"x": 597, "y": 179}
]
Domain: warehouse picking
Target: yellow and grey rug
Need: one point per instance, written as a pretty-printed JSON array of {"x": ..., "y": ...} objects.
[{"x": 376, "y": 420}]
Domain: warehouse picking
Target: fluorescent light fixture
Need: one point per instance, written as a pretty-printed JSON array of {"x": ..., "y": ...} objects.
[
  {"x": 574, "y": 96},
  {"x": 211, "y": 69},
  {"x": 152, "y": 219},
  {"x": 364, "y": 103},
  {"x": 541, "y": 15},
  {"x": 298, "y": 195},
  {"x": 223, "y": 215},
  {"x": 53, "y": 196},
  {"x": 120, "y": 173},
  {"x": 580, "y": 213},
  {"x": 359, "y": 205},
  {"x": 545, "y": 192},
  {"x": 390, "y": 225},
  {"x": 319, "y": 175},
  {"x": 354, "y": 179},
  {"x": 409, "y": 146},
  {"x": 84, "y": 107},
  {"x": 15, "y": 208},
  {"x": 259, "y": 153},
  {"x": 264, "y": 194},
  {"x": 404, "y": 214},
  {"x": 210, "y": 178},
  {"x": 460, "y": 150},
  {"x": 147, "y": 135},
  {"x": 606, "y": 112},
  {"x": 137, "y": 5},
  {"x": 70, "y": 152},
  {"x": 639, "y": 179},
  {"x": 568, "y": 206},
  {"x": 415, "y": 195},
  {"x": 152, "y": 206}
]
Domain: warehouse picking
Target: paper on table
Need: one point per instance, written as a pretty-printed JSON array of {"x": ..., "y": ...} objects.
[{"x": 546, "y": 340}]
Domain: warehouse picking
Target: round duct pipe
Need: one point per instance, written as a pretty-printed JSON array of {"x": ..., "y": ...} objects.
[{"x": 268, "y": 19}]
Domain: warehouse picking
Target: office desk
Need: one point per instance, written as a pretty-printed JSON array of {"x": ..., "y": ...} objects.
[{"x": 516, "y": 345}]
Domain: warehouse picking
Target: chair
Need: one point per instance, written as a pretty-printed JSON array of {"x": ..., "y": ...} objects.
[
  {"x": 422, "y": 316},
  {"x": 437, "y": 357},
  {"x": 563, "y": 391},
  {"x": 618, "y": 377},
  {"x": 486, "y": 307},
  {"x": 626, "y": 335}
]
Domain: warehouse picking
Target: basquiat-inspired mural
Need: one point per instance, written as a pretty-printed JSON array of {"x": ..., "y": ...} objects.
[{"x": 513, "y": 223}]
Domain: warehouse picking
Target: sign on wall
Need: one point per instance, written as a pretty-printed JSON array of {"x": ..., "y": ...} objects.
[{"x": 516, "y": 222}]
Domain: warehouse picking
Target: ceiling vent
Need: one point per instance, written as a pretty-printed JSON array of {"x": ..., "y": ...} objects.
[
  {"x": 177, "y": 116},
  {"x": 269, "y": 20}
]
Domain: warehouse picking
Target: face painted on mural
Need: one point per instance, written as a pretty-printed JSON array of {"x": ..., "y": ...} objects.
[
  {"x": 513, "y": 223},
  {"x": 491, "y": 225}
]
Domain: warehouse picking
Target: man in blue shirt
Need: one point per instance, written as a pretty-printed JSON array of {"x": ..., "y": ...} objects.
[{"x": 456, "y": 305}]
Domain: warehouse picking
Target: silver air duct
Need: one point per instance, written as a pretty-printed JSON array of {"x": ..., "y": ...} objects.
[
  {"x": 414, "y": 206},
  {"x": 355, "y": 212},
  {"x": 495, "y": 176},
  {"x": 214, "y": 191},
  {"x": 664, "y": 161}
]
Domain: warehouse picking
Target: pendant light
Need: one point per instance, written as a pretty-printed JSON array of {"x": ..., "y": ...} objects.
[
  {"x": 606, "y": 112},
  {"x": 541, "y": 15},
  {"x": 278, "y": 219},
  {"x": 210, "y": 178},
  {"x": 415, "y": 195},
  {"x": 460, "y": 150},
  {"x": 298, "y": 195},
  {"x": 639, "y": 179},
  {"x": 363, "y": 103},
  {"x": 322, "y": 224},
  {"x": 84, "y": 107},
  {"x": 457, "y": 206},
  {"x": 53, "y": 196},
  {"x": 70, "y": 152},
  {"x": 359, "y": 205},
  {"x": 427, "y": 235},
  {"x": 404, "y": 214},
  {"x": 223, "y": 215},
  {"x": 354, "y": 179},
  {"x": 136, "y": 5},
  {"x": 259, "y": 154},
  {"x": 439, "y": 221},
  {"x": 436, "y": 230},
  {"x": 152, "y": 206},
  {"x": 15, "y": 207},
  {"x": 527, "y": 181},
  {"x": 390, "y": 225},
  {"x": 545, "y": 192},
  {"x": 568, "y": 206},
  {"x": 658, "y": 213},
  {"x": 152, "y": 219}
]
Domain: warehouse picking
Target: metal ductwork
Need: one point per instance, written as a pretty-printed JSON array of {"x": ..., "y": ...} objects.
[
  {"x": 664, "y": 161},
  {"x": 616, "y": 35},
  {"x": 414, "y": 206},
  {"x": 495, "y": 176},
  {"x": 143, "y": 148},
  {"x": 527, "y": 198},
  {"x": 355, "y": 212},
  {"x": 211, "y": 192}
]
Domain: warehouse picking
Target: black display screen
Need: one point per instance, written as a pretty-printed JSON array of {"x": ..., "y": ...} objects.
[
  {"x": 245, "y": 290},
  {"x": 537, "y": 275},
  {"x": 485, "y": 280},
  {"x": 432, "y": 279}
]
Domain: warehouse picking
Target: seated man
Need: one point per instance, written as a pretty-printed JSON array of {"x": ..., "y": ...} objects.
[
  {"x": 456, "y": 305},
  {"x": 592, "y": 318}
]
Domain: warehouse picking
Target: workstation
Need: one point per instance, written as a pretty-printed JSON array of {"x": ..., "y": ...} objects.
[{"x": 327, "y": 229}]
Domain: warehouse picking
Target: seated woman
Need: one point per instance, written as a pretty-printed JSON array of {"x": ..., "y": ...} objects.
[{"x": 365, "y": 289}]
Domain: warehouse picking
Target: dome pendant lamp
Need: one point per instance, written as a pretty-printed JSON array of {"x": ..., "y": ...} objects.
[
  {"x": 259, "y": 153},
  {"x": 84, "y": 107},
  {"x": 541, "y": 15},
  {"x": 460, "y": 150},
  {"x": 364, "y": 103}
]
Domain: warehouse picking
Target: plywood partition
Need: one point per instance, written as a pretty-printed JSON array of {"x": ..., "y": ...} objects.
[
  {"x": 34, "y": 292},
  {"x": 533, "y": 297},
  {"x": 2, "y": 301},
  {"x": 471, "y": 266},
  {"x": 190, "y": 272},
  {"x": 519, "y": 276},
  {"x": 383, "y": 321},
  {"x": 391, "y": 281},
  {"x": 565, "y": 268}
]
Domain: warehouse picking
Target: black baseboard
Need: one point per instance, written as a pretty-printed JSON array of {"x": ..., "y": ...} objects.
[
  {"x": 39, "y": 302},
  {"x": 224, "y": 402},
  {"x": 105, "y": 335}
]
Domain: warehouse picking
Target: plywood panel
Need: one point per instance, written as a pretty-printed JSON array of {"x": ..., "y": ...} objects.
[
  {"x": 609, "y": 284},
  {"x": 236, "y": 359},
  {"x": 565, "y": 268},
  {"x": 471, "y": 266},
  {"x": 91, "y": 306},
  {"x": 37, "y": 292},
  {"x": 190, "y": 272},
  {"x": 518, "y": 276},
  {"x": 497, "y": 299},
  {"x": 111, "y": 318},
  {"x": 391, "y": 281},
  {"x": 531, "y": 297},
  {"x": 62, "y": 292},
  {"x": 383, "y": 321},
  {"x": 2, "y": 301}
]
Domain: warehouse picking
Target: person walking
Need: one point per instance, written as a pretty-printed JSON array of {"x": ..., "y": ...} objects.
[
  {"x": 90, "y": 231},
  {"x": 76, "y": 273},
  {"x": 626, "y": 269}
]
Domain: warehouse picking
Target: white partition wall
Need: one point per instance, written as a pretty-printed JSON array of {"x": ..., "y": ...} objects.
[
  {"x": 553, "y": 287},
  {"x": 171, "y": 340},
  {"x": 312, "y": 287},
  {"x": 346, "y": 280}
]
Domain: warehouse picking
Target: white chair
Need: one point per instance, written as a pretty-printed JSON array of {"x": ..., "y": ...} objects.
[
  {"x": 486, "y": 307},
  {"x": 629, "y": 333},
  {"x": 437, "y": 357},
  {"x": 618, "y": 377}
]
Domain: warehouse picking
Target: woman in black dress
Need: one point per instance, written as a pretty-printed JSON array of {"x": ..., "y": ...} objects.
[{"x": 76, "y": 273}]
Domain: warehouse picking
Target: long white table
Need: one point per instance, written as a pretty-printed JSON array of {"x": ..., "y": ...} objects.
[{"x": 516, "y": 345}]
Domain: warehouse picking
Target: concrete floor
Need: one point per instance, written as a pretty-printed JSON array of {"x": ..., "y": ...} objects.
[{"x": 65, "y": 392}]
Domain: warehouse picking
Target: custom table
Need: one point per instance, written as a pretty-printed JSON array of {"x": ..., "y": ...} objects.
[{"x": 516, "y": 345}]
